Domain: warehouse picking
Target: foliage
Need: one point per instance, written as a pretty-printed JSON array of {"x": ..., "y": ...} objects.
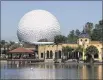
[
  {"x": 88, "y": 28},
  {"x": 11, "y": 43},
  {"x": 8, "y": 45},
  {"x": 77, "y": 32},
  {"x": 59, "y": 39},
  {"x": 67, "y": 49},
  {"x": 2, "y": 42},
  {"x": 72, "y": 37},
  {"x": 97, "y": 33},
  {"x": 79, "y": 49},
  {"x": 92, "y": 50}
]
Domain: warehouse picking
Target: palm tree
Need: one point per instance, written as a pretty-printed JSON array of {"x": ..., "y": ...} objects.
[{"x": 90, "y": 52}]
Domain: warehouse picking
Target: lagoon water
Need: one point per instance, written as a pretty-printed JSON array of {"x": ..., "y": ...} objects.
[{"x": 51, "y": 71}]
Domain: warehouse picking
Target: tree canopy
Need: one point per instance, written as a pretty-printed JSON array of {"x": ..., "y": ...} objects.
[
  {"x": 97, "y": 33},
  {"x": 73, "y": 36},
  {"x": 92, "y": 50},
  {"x": 60, "y": 39}
]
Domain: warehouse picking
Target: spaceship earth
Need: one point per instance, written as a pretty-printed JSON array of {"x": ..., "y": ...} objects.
[{"x": 38, "y": 26}]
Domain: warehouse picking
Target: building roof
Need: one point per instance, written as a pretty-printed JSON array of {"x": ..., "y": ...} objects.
[
  {"x": 84, "y": 35},
  {"x": 21, "y": 50}
]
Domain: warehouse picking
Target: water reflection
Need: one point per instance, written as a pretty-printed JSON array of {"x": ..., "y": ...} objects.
[
  {"x": 100, "y": 71},
  {"x": 51, "y": 71}
]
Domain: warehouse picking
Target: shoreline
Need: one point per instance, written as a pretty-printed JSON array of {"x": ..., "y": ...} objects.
[{"x": 95, "y": 63}]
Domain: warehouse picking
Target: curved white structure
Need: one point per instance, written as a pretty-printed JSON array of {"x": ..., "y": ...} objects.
[{"x": 38, "y": 26}]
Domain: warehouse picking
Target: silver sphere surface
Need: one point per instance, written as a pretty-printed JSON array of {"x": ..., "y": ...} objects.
[{"x": 38, "y": 26}]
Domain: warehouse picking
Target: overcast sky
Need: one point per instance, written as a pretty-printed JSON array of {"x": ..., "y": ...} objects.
[{"x": 70, "y": 14}]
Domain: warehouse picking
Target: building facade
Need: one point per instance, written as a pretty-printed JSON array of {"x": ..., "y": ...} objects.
[{"x": 50, "y": 52}]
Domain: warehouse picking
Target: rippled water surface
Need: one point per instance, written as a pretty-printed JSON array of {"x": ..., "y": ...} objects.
[{"x": 51, "y": 71}]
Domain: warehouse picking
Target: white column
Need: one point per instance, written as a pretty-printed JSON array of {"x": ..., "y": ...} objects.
[
  {"x": 78, "y": 54},
  {"x": 100, "y": 57},
  {"x": 54, "y": 55}
]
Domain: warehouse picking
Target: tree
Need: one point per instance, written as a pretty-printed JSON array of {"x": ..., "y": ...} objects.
[
  {"x": 60, "y": 39},
  {"x": 3, "y": 42},
  {"x": 79, "y": 49},
  {"x": 11, "y": 42},
  {"x": 96, "y": 35},
  {"x": 98, "y": 31},
  {"x": 14, "y": 46},
  {"x": 91, "y": 51},
  {"x": 72, "y": 38},
  {"x": 88, "y": 28},
  {"x": 67, "y": 50},
  {"x": 77, "y": 32}
]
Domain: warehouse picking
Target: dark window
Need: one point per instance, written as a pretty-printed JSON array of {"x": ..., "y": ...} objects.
[
  {"x": 59, "y": 54},
  {"x": 56, "y": 55},
  {"x": 85, "y": 39},
  {"x": 41, "y": 55},
  {"x": 96, "y": 56},
  {"x": 47, "y": 54},
  {"x": 51, "y": 54}
]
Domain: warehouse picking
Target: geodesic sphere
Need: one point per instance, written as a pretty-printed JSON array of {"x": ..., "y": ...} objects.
[{"x": 38, "y": 25}]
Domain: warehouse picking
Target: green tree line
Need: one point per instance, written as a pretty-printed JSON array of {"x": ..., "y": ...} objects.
[{"x": 95, "y": 31}]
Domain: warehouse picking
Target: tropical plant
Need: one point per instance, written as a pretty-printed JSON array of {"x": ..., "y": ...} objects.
[
  {"x": 79, "y": 49},
  {"x": 91, "y": 51},
  {"x": 67, "y": 50}
]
